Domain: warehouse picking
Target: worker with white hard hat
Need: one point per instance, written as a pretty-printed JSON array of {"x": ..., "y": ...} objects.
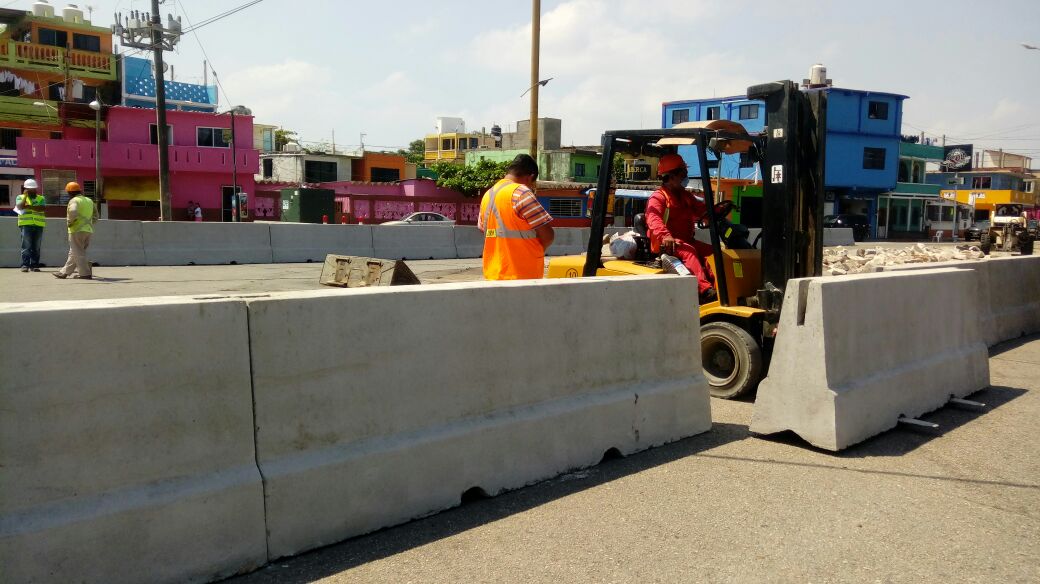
[{"x": 30, "y": 206}]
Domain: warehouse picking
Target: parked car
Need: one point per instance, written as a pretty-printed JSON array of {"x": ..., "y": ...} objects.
[
  {"x": 423, "y": 218},
  {"x": 859, "y": 223},
  {"x": 974, "y": 233}
]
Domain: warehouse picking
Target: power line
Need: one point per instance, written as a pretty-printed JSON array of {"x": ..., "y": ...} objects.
[
  {"x": 212, "y": 19},
  {"x": 203, "y": 49}
]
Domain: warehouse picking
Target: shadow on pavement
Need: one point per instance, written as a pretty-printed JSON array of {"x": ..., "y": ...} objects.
[{"x": 478, "y": 511}]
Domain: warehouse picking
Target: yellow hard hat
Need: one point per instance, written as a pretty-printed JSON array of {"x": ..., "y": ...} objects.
[{"x": 73, "y": 187}]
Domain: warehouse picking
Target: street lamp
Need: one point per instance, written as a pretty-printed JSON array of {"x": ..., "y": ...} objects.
[
  {"x": 242, "y": 110},
  {"x": 96, "y": 106}
]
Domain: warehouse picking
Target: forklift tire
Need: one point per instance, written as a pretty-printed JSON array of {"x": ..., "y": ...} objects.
[
  {"x": 1025, "y": 245},
  {"x": 731, "y": 359},
  {"x": 986, "y": 242}
]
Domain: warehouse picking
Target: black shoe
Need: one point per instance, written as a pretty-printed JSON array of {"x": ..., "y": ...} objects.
[
  {"x": 709, "y": 295},
  {"x": 36, "y": 269}
]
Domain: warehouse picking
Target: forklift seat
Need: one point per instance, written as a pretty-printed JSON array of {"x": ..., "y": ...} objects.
[
  {"x": 639, "y": 224},
  {"x": 643, "y": 252}
]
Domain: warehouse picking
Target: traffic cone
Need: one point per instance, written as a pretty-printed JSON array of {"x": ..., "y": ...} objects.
[
  {"x": 343, "y": 219},
  {"x": 324, "y": 219}
]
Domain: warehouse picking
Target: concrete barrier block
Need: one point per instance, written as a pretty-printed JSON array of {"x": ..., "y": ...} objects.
[
  {"x": 126, "y": 442},
  {"x": 469, "y": 241},
  {"x": 361, "y": 425},
  {"x": 833, "y": 236},
  {"x": 413, "y": 242},
  {"x": 10, "y": 243},
  {"x": 569, "y": 241},
  {"x": 849, "y": 361},
  {"x": 177, "y": 243},
  {"x": 117, "y": 243},
  {"x": 303, "y": 242},
  {"x": 1014, "y": 297}
]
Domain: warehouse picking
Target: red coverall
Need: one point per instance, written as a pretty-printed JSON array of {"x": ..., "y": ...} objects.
[{"x": 682, "y": 216}]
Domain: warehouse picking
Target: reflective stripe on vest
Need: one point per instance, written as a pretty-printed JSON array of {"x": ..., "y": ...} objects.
[
  {"x": 84, "y": 215},
  {"x": 500, "y": 230},
  {"x": 32, "y": 218}
]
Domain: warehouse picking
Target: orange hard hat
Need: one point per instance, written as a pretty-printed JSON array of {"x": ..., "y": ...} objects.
[
  {"x": 670, "y": 162},
  {"x": 73, "y": 187}
]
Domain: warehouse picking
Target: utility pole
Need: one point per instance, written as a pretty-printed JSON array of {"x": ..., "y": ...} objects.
[
  {"x": 536, "y": 16},
  {"x": 143, "y": 31}
]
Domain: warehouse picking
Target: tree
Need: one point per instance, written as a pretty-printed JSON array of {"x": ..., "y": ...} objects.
[
  {"x": 617, "y": 168},
  {"x": 283, "y": 137},
  {"x": 416, "y": 152},
  {"x": 471, "y": 181}
]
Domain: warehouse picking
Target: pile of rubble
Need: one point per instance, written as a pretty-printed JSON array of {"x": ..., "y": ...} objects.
[{"x": 838, "y": 261}]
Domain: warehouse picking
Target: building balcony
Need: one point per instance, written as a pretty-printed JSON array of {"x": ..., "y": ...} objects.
[
  {"x": 71, "y": 154},
  {"x": 50, "y": 59},
  {"x": 916, "y": 189},
  {"x": 435, "y": 155}
]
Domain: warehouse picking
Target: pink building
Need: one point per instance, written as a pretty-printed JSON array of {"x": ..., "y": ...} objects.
[
  {"x": 202, "y": 169},
  {"x": 378, "y": 202}
]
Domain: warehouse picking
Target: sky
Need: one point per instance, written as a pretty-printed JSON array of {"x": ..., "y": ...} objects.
[{"x": 388, "y": 69}]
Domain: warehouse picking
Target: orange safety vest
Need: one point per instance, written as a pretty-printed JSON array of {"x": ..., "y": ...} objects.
[{"x": 511, "y": 248}]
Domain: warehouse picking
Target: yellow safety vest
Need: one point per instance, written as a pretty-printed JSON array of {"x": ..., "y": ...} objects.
[
  {"x": 84, "y": 215},
  {"x": 30, "y": 217}
]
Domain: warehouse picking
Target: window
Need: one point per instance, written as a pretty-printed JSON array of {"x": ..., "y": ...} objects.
[
  {"x": 56, "y": 92},
  {"x": 9, "y": 138},
  {"x": 54, "y": 38},
  {"x": 153, "y": 136},
  {"x": 90, "y": 188},
  {"x": 319, "y": 171},
  {"x": 55, "y": 135},
  {"x": 713, "y": 113},
  {"x": 447, "y": 144},
  {"x": 874, "y": 158},
  {"x": 5, "y": 196},
  {"x": 565, "y": 207},
  {"x": 213, "y": 137},
  {"x": 86, "y": 42},
  {"x": 877, "y": 110},
  {"x": 981, "y": 182},
  {"x": 53, "y": 183},
  {"x": 579, "y": 169},
  {"x": 89, "y": 94},
  {"x": 463, "y": 142},
  {"x": 268, "y": 140},
  {"x": 749, "y": 111},
  {"x": 268, "y": 170},
  {"x": 8, "y": 89},
  {"x": 385, "y": 174},
  {"x": 680, "y": 116},
  {"x": 473, "y": 143},
  {"x": 746, "y": 161}
]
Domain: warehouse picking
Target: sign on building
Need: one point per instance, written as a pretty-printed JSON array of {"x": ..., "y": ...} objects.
[{"x": 957, "y": 158}]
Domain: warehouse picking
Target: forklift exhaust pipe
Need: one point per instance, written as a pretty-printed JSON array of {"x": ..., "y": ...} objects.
[{"x": 362, "y": 272}]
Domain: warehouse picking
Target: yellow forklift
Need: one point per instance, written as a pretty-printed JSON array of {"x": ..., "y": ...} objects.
[{"x": 737, "y": 329}]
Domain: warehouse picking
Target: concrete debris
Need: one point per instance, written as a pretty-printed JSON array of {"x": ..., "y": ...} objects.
[{"x": 839, "y": 261}]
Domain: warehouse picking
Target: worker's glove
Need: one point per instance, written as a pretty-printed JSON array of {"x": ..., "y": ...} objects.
[{"x": 668, "y": 244}]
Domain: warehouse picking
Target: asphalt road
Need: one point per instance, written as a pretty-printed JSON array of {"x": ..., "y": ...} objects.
[{"x": 962, "y": 505}]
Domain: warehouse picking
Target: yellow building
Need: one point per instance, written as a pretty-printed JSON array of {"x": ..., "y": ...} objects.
[{"x": 453, "y": 146}]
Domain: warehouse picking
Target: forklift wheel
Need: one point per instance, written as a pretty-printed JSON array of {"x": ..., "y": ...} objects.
[{"x": 731, "y": 358}]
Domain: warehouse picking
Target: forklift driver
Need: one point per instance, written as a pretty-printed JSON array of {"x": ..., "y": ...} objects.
[{"x": 671, "y": 214}]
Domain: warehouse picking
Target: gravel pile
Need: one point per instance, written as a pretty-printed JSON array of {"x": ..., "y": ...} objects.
[{"x": 838, "y": 261}]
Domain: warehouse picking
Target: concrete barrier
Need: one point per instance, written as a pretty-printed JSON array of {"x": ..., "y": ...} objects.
[
  {"x": 413, "y": 242},
  {"x": 569, "y": 241},
  {"x": 833, "y": 236},
  {"x": 849, "y": 361},
  {"x": 302, "y": 242},
  {"x": 1008, "y": 294},
  {"x": 115, "y": 243},
  {"x": 376, "y": 406},
  {"x": 126, "y": 442},
  {"x": 177, "y": 243},
  {"x": 469, "y": 241}
]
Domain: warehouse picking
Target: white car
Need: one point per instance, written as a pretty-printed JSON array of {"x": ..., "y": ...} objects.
[{"x": 422, "y": 218}]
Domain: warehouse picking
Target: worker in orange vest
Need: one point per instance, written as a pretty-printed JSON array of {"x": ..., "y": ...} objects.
[{"x": 516, "y": 227}]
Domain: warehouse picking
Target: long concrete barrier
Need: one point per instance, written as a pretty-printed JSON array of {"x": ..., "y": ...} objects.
[
  {"x": 413, "y": 242},
  {"x": 306, "y": 242},
  {"x": 569, "y": 241},
  {"x": 469, "y": 241},
  {"x": 376, "y": 406},
  {"x": 1008, "y": 294},
  {"x": 126, "y": 442},
  {"x": 115, "y": 243},
  {"x": 833, "y": 236},
  {"x": 853, "y": 354},
  {"x": 178, "y": 243}
]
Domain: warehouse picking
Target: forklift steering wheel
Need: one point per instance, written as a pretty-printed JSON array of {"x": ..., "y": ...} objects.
[{"x": 722, "y": 208}]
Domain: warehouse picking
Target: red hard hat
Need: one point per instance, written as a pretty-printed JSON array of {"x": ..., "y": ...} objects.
[{"x": 670, "y": 162}]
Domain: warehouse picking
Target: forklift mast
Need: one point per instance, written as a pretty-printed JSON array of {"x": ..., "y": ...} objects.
[{"x": 792, "y": 163}]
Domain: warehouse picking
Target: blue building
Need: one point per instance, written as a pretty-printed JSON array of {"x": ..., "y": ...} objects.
[
  {"x": 139, "y": 89},
  {"x": 863, "y": 136}
]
